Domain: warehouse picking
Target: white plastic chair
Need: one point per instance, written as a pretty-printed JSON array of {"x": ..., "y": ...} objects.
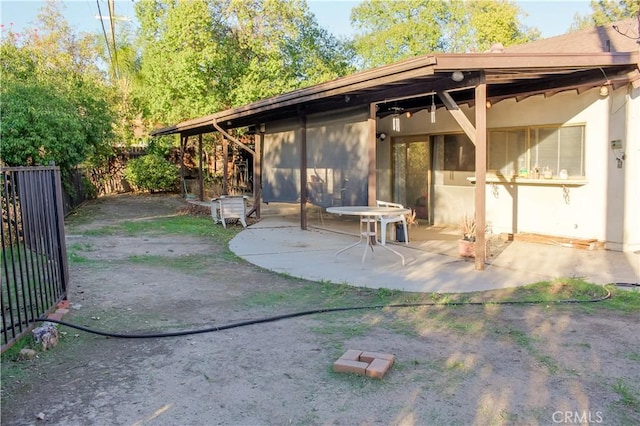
[{"x": 387, "y": 219}]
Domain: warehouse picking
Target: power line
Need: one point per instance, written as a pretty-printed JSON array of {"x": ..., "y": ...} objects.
[{"x": 113, "y": 58}]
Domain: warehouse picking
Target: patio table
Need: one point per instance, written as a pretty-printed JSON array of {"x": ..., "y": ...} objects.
[{"x": 368, "y": 225}]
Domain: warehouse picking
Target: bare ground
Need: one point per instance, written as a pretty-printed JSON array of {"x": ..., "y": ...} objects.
[{"x": 499, "y": 365}]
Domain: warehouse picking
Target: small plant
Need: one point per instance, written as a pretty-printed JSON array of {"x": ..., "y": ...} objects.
[
  {"x": 411, "y": 218},
  {"x": 468, "y": 228}
]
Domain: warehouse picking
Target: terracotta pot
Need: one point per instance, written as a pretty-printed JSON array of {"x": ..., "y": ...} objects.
[{"x": 466, "y": 248}]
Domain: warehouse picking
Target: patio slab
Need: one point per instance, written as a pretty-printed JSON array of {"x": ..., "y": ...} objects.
[{"x": 277, "y": 243}]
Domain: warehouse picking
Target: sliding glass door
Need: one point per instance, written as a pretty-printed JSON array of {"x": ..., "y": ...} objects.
[{"x": 412, "y": 173}]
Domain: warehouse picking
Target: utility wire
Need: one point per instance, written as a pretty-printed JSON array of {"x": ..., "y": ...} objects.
[
  {"x": 106, "y": 38},
  {"x": 112, "y": 23}
]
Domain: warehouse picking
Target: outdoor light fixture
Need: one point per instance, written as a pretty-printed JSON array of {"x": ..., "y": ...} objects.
[
  {"x": 395, "y": 123},
  {"x": 382, "y": 136},
  {"x": 457, "y": 76},
  {"x": 432, "y": 110},
  {"x": 604, "y": 90}
]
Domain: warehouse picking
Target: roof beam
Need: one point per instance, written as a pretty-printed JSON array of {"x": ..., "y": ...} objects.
[{"x": 458, "y": 115}]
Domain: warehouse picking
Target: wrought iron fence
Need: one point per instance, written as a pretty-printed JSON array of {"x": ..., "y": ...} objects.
[{"x": 35, "y": 272}]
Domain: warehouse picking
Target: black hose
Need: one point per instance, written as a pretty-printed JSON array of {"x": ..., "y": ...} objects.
[{"x": 311, "y": 312}]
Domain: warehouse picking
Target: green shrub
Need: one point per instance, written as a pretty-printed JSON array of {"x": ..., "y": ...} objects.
[{"x": 152, "y": 173}]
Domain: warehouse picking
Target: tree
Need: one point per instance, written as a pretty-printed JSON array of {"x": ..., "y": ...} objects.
[
  {"x": 284, "y": 48},
  {"x": 605, "y": 12},
  {"x": 202, "y": 56},
  {"x": 184, "y": 71},
  {"x": 55, "y": 107},
  {"x": 389, "y": 31}
]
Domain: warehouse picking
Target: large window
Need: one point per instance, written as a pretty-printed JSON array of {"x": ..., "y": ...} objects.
[
  {"x": 459, "y": 153},
  {"x": 521, "y": 151}
]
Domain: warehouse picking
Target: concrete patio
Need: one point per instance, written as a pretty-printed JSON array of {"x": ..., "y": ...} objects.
[{"x": 277, "y": 243}]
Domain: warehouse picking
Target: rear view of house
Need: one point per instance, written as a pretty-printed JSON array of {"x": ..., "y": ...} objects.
[{"x": 542, "y": 138}]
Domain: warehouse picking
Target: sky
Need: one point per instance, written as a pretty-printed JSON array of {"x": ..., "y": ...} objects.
[{"x": 550, "y": 17}]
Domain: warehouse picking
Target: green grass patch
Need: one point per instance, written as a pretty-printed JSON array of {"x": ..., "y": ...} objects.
[
  {"x": 633, "y": 356},
  {"x": 628, "y": 395},
  {"x": 522, "y": 339},
  {"x": 193, "y": 264},
  {"x": 171, "y": 225},
  {"x": 323, "y": 294}
]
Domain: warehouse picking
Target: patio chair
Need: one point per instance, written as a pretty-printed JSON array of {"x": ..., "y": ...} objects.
[
  {"x": 387, "y": 219},
  {"x": 229, "y": 207},
  {"x": 316, "y": 195}
]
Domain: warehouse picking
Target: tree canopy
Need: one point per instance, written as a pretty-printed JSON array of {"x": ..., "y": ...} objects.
[
  {"x": 201, "y": 56},
  {"x": 388, "y": 31},
  {"x": 605, "y": 12},
  {"x": 54, "y": 105}
]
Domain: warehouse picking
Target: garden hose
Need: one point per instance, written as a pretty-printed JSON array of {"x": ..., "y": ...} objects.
[{"x": 313, "y": 312}]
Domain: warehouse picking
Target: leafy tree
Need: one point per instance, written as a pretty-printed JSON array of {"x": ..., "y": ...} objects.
[
  {"x": 389, "y": 31},
  {"x": 284, "y": 47},
  {"x": 55, "y": 107},
  {"x": 202, "y": 56},
  {"x": 184, "y": 71},
  {"x": 605, "y": 12}
]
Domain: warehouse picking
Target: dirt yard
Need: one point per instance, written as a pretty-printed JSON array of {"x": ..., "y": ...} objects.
[{"x": 482, "y": 365}]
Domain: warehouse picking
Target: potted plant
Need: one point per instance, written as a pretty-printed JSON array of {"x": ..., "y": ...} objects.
[{"x": 466, "y": 245}]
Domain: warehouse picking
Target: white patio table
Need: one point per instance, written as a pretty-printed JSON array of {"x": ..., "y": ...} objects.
[{"x": 368, "y": 225}]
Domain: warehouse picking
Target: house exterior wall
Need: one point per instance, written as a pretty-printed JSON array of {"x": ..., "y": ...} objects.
[
  {"x": 631, "y": 145},
  {"x": 605, "y": 206},
  {"x": 337, "y": 154}
]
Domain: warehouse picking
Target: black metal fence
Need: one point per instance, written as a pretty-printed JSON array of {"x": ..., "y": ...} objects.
[{"x": 35, "y": 272}]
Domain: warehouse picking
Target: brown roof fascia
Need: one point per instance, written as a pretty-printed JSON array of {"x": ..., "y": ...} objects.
[
  {"x": 363, "y": 79},
  {"x": 506, "y": 61},
  {"x": 415, "y": 67}
]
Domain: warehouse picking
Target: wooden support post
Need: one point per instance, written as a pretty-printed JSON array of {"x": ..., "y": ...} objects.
[
  {"x": 372, "y": 168},
  {"x": 481, "y": 173},
  {"x": 257, "y": 174},
  {"x": 303, "y": 171},
  {"x": 200, "y": 176},
  {"x": 225, "y": 166},
  {"x": 183, "y": 145}
]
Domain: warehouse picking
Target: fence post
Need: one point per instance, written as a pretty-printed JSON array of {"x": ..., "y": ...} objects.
[{"x": 60, "y": 234}]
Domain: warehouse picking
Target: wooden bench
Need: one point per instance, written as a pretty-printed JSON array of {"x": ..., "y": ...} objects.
[{"x": 226, "y": 207}]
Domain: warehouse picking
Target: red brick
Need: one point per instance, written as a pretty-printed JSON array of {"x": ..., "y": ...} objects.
[
  {"x": 370, "y": 356},
  {"x": 378, "y": 368},
  {"x": 55, "y": 316},
  {"x": 352, "y": 355},
  {"x": 62, "y": 311},
  {"x": 348, "y": 366},
  {"x": 64, "y": 304}
]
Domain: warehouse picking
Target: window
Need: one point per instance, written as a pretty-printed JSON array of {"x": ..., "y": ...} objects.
[
  {"x": 507, "y": 151},
  {"x": 459, "y": 153},
  {"x": 516, "y": 151},
  {"x": 558, "y": 149}
]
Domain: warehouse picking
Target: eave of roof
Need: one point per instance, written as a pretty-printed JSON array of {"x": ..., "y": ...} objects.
[{"x": 425, "y": 73}]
